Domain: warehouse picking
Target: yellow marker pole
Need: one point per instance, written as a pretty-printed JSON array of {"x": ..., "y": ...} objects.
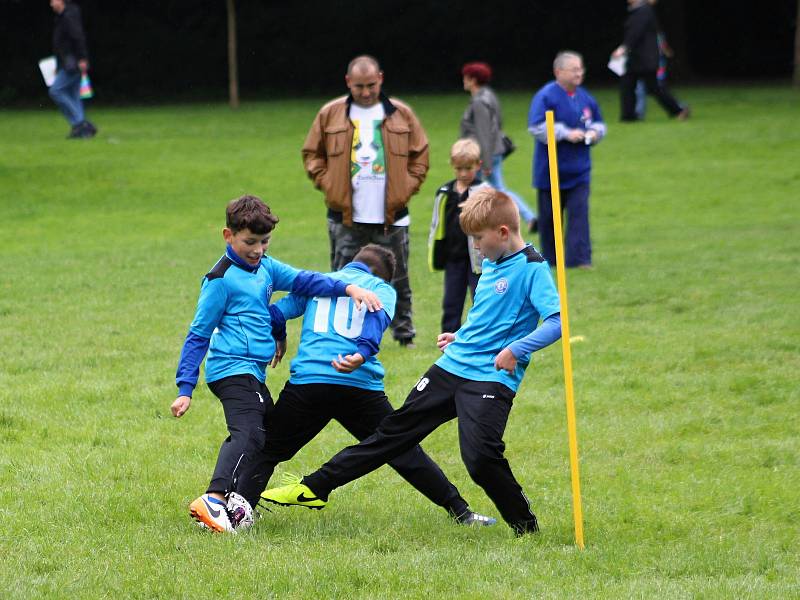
[{"x": 562, "y": 292}]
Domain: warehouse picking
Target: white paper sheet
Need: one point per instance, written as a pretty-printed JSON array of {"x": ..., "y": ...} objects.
[
  {"x": 617, "y": 65},
  {"x": 48, "y": 68}
]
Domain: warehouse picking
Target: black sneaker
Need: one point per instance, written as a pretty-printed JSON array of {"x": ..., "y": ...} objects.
[
  {"x": 87, "y": 130},
  {"x": 471, "y": 518},
  {"x": 525, "y": 527},
  {"x": 75, "y": 132},
  {"x": 407, "y": 343}
]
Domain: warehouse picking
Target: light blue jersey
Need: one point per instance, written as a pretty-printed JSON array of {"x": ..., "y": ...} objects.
[
  {"x": 513, "y": 294},
  {"x": 232, "y": 312},
  {"x": 332, "y": 326}
]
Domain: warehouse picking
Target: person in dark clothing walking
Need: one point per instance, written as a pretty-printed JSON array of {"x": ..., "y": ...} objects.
[
  {"x": 640, "y": 45},
  {"x": 72, "y": 61}
]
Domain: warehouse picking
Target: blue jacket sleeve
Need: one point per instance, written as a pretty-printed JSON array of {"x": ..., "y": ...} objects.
[
  {"x": 288, "y": 307},
  {"x": 192, "y": 354},
  {"x": 304, "y": 283},
  {"x": 310, "y": 283},
  {"x": 596, "y": 109},
  {"x": 291, "y": 306},
  {"x": 544, "y": 335},
  {"x": 278, "y": 323},
  {"x": 375, "y": 323},
  {"x": 537, "y": 109}
]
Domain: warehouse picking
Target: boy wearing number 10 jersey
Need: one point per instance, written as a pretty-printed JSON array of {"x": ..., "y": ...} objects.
[{"x": 337, "y": 375}]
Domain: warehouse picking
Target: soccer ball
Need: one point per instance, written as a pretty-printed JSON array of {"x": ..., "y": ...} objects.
[{"x": 239, "y": 511}]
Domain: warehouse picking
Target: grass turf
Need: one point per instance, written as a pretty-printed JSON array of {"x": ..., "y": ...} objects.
[{"x": 686, "y": 378}]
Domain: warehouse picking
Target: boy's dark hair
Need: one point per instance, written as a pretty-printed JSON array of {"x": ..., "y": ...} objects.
[
  {"x": 380, "y": 260},
  {"x": 250, "y": 212}
]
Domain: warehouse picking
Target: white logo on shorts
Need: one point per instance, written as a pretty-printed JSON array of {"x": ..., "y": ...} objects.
[
  {"x": 260, "y": 399},
  {"x": 422, "y": 383}
]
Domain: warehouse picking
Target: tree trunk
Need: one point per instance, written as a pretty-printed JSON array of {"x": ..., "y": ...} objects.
[
  {"x": 233, "y": 71},
  {"x": 796, "y": 79}
]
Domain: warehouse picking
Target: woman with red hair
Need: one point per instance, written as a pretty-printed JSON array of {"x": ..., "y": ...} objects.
[{"x": 483, "y": 122}]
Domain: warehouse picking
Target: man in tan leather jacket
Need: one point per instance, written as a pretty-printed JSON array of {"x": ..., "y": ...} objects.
[{"x": 369, "y": 154}]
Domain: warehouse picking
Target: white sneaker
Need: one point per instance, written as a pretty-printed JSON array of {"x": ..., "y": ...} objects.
[{"x": 212, "y": 513}]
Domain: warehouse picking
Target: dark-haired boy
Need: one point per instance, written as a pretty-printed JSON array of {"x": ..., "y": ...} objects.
[
  {"x": 476, "y": 379},
  {"x": 233, "y": 324},
  {"x": 337, "y": 375}
]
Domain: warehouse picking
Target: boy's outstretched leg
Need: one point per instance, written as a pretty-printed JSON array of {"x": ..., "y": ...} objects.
[
  {"x": 483, "y": 410},
  {"x": 299, "y": 415},
  {"x": 426, "y": 407},
  {"x": 362, "y": 416}
]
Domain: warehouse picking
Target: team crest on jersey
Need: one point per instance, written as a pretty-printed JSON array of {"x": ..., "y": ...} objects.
[{"x": 501, "y": 286}]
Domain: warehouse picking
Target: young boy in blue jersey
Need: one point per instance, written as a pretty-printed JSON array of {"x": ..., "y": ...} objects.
[
  {"x": 337, "y": 375},
  {"x": 449, "y": 248},
  {"x": 233, "y": 324},
  {"x": 478, "y": 375}
]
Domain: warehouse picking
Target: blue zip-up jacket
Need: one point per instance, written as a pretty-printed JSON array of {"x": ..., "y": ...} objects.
[
  {"x": 576, "y": 111},
  {"x": 233, "y": 321}
]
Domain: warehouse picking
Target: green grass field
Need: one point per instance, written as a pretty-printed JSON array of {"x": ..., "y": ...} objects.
[{"x": 686, "y": 379}]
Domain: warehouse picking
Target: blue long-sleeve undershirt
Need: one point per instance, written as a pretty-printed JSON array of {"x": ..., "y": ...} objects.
[
  {"x": 278, "y": 323},
  {"x": 544, "y": 335},
  {"x": 192, "y": 354},
  {"x": 310, "y": 284},
  {"x": 375, "y": 323}
]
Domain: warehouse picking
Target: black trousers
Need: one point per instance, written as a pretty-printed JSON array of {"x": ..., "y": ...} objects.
[
  {"x": 458, "y": 276},
  {"x": 482, "y": 409},
  {"x": 627, "y": 91},
  {"x": 247, "y": 405},
  {"x": 302, "y": 411}
]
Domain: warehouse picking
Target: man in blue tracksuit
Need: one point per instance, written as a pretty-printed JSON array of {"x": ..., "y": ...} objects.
[
  {"x": 337, "y": 375},
  {"x": 578, "y": 126},
  {"x": 233, "y": 324}
]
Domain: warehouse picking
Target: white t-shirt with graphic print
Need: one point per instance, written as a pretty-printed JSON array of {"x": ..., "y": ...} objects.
[{"x": 368, "y": 165}]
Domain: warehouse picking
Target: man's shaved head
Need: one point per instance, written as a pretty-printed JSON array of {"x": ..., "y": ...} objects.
[
  {"x": 364, "y": 79},
  {"x": 363, "y": 63}
]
